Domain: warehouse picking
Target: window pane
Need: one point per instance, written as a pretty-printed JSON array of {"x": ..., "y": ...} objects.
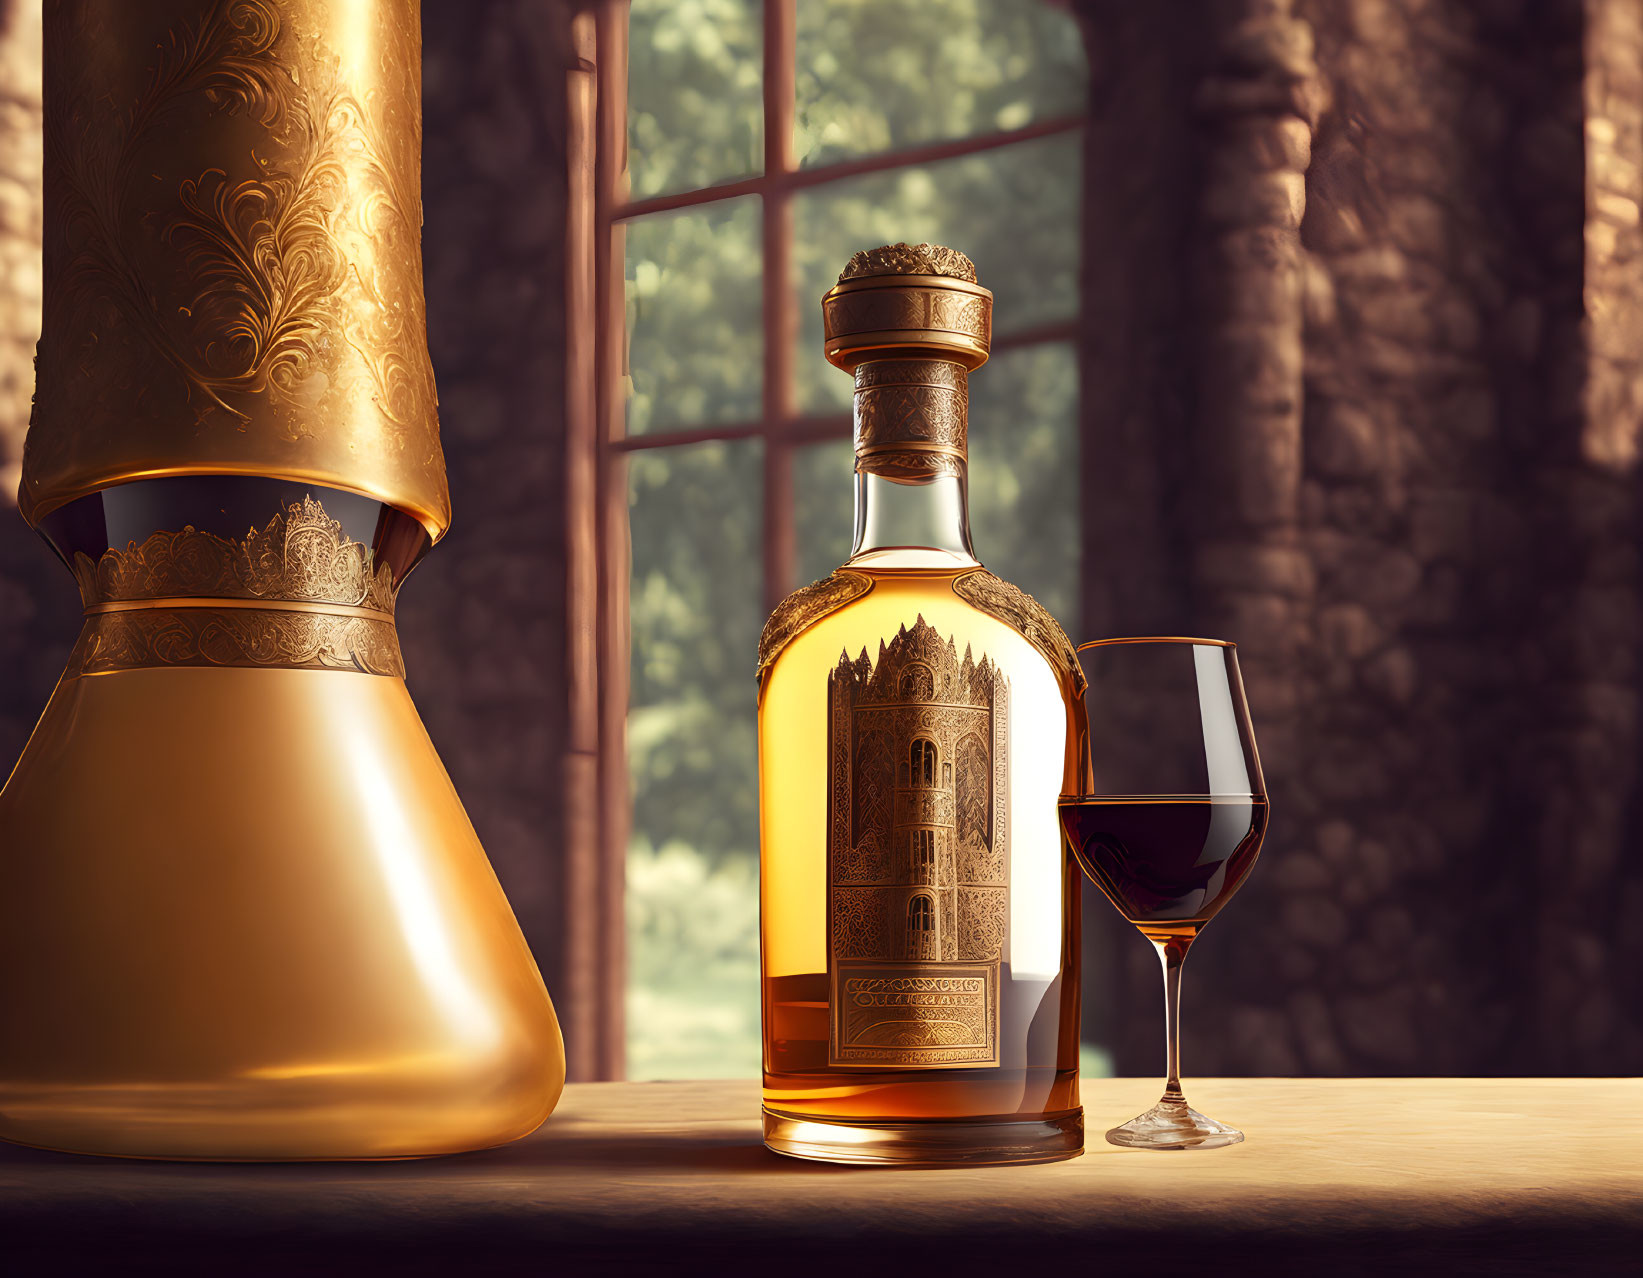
[
  {"x": 1024, "y": 473},
  {"x": 1014, "y": 210},
  {"x": 692, "y": 872},
  {"x": 695, "y": 337},
  {"x": 824, "y": 485},
  {"x": 874, "y": 75},
  {"x": 695, "y": 93}
]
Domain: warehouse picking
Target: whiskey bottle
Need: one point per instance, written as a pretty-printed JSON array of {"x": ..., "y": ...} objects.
[{"x": 919, "y": 913}]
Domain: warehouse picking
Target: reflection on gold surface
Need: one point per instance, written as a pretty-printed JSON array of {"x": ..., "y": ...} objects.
[
  {"x": 243, "y": 915},
  {"x": 427, "y": 930}
]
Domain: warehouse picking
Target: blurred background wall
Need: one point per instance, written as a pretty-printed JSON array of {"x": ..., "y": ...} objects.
[
  {"x": 1380, "y": 426},
  {"x": 1350, "y": 303}
]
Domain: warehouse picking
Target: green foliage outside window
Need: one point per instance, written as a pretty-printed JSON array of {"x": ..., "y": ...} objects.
[{"x": 872, "y": 74}]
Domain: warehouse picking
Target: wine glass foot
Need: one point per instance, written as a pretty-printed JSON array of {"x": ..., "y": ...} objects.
[{"x": 1173, "y": 1125}]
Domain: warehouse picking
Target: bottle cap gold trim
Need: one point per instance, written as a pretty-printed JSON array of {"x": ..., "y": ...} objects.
[{"x": 910, "y": 259}]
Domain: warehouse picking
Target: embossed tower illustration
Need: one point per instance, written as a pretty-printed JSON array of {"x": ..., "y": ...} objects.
[{"x": 917, "y": 852}]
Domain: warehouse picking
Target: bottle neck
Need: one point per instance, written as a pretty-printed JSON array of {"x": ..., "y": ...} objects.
[
  {"x": 911, "y": 419},
  {"x": 922, "y": 523}
]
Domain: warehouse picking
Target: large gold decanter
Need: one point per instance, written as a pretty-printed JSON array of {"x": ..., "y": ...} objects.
[
  {"x": 919, "y": 920},
  {"x": 243, "y": 914}
]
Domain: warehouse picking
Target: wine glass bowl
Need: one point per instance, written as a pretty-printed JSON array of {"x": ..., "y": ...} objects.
[
  {"x": 1167, "y": 863},
  {"x": 1168, "y": 820}
]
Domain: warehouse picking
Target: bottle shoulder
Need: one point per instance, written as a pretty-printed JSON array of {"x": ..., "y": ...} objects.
[
  {"x": 1027, "y": 617},
  {"x": 802, "y": 610},
  {"x": 970, "y": 607}
]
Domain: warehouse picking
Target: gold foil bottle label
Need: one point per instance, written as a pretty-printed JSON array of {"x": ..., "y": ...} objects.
[{"x": 917, "y": 855}]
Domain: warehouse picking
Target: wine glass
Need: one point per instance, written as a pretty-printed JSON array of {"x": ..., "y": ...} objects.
[{"x": 1168, "y": 820}]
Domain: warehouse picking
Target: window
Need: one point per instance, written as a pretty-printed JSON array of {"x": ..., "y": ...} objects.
[
  {"x": 766, "y": 143},
  {"x": 922, "y": 760},
  {"x": 918, "y": 682},
  {"x": 923, "y": 844},
  {"x": 922, "y": 942}
]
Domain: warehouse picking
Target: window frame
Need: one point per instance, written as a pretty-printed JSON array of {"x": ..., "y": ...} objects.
[{"x": 597, "y": 532}]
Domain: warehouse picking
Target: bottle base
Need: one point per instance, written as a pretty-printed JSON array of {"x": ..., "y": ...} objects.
[{"x": 927, "y": 1143}]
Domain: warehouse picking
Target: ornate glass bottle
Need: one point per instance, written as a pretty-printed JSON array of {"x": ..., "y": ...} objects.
[{"x": 919, "y": 920}]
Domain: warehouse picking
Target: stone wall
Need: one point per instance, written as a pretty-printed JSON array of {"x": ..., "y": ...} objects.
[{"x": 1395, "y": 462}]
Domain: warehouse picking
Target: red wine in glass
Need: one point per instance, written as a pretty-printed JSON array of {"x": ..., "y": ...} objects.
[{"x": 1168, "y": 863}]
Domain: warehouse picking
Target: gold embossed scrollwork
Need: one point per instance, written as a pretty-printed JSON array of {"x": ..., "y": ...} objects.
[
  {"x": 1025, "y": 615},
  {"x": 912, "y": 417},
  {"x": 804, "y": 608},
  {"x": 304, "y": 639},
  {"x": 249, "y": 301}
]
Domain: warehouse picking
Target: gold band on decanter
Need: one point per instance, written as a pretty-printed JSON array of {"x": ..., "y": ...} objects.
[
  {"x": 309, "y": 638},
  {"x": 298, "y": 593}
]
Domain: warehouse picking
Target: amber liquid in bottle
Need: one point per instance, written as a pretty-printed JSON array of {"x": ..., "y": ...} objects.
[{"x": 1033, "y": 1076}]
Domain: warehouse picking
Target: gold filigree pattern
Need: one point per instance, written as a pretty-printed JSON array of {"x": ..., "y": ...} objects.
[
  {"x": 301, "y": 556},
  {"x": 911, "y": 417},
  {"x": 943, "y": 373},
  {"x": 1025, "y": 615},
  {"x": 146, "y": 638},
  {"x": 910, "y": 311},
  {"x": 233, "y": 275},
  {"x": 911, "y": 465},
  {"x": 803, "y": 608},
  {"x": 329, "y": 605},
  {"x": 910, "y": 259},
  {"x": 917, "y": 854}
]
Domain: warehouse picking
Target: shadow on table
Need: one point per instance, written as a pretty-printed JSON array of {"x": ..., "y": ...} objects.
[{"x": 562, "y": 1144}]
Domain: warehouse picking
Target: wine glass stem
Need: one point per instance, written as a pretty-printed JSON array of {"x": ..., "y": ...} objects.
[{"x": 1173, "y": 954}]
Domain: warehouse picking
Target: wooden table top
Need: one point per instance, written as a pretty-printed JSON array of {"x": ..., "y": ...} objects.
[{"x": 1498, "y": 1176}]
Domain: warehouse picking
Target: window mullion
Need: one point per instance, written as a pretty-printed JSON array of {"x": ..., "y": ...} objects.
[{"x": 780, "y": 315}]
